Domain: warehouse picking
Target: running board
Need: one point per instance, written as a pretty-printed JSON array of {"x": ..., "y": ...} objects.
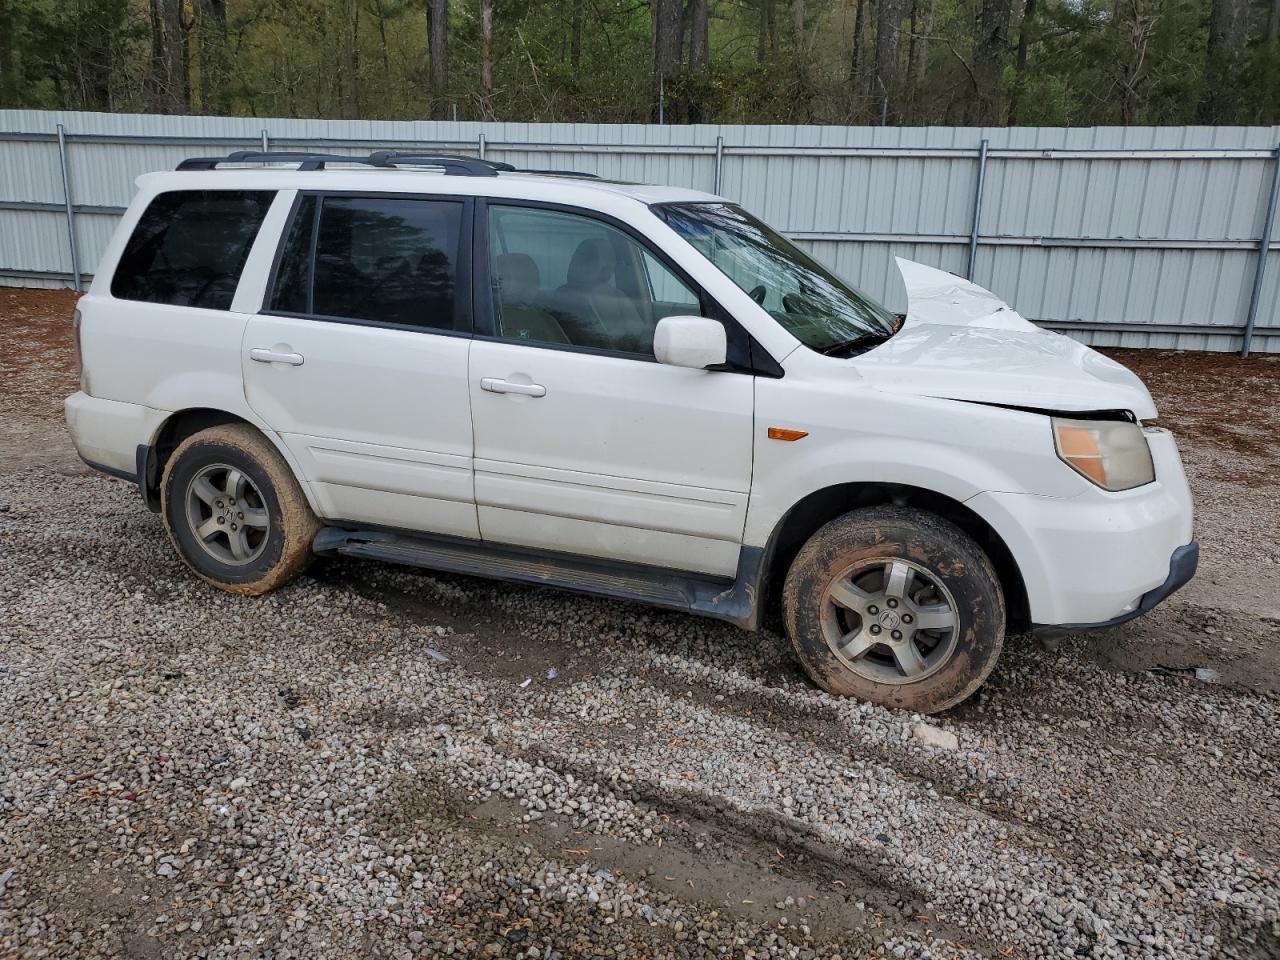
[{"x": 723, "y": 599}]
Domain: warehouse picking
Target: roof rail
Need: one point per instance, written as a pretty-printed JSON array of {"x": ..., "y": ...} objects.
[
  {"x": 578, "y": 174},
  {"x": 451, "y": 165}
]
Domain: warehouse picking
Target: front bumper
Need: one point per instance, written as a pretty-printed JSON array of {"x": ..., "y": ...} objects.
[
  {"x": 1182, "y": 567},
  {"x": 1100, "y": 557}
]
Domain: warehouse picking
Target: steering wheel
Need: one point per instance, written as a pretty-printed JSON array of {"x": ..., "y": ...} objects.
[{"x": 757, "y": 294}]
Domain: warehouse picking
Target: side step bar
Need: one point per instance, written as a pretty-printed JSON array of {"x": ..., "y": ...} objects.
[{"x": 723, "y": 599}]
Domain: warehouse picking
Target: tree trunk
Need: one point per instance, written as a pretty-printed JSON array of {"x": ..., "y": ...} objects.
[
  {"x": 211, "y": 33},
  {"x": 8, "y": 53},
  {"x": 766, "y": 40},
  {"x": 167, "y": 81},
  {"x": 888, "y": 26},
  {"x": 353, "y": 62},
  {"x": 1020, "y": 62},
  {"x": 913, "y": 78},
  {"x": 575, "y": 43},
  {"x": 989, "y": 53},
  {"x": 699, "y": 35},
  {"x": 797, "y": 19},
  {"x": 184, "y": 62},
  {"x": 1228, "y": 30},
  {"x": 667, "y": 44},
  {"x": 486, "y": 56},
  {"x": 438, "y": 55},
  {"x": 922, "y": 47},
  {"x": 856, "y": 65},
  {"x": 382, "y": 35}
]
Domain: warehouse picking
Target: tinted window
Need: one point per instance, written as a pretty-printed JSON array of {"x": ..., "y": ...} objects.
[
  {"x": 190, "y": 246},
  {"x": 384, "y": 259},
  {"x": 293, "y": 276},
  {"x": 564, "y": 278}
]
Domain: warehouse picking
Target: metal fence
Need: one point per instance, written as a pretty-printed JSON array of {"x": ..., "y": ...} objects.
[{"x": 1139, "y": 236}]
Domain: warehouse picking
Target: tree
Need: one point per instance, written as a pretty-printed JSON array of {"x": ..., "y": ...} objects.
[
  {"x": 1025, "y": 27},
  {"x": 990, "y": 50},
  {"x": 1074, "y": 62},
  {"x": 1224, "y": 54},
  {"x": 857, "y": 62},
  {"x": 699, "y": 34},
  {"x": 213, "y": 56},
  {"x": 438, "y": 56},
  {"x": 667, "y": 43},
  {"x": 169, "y": 79},
  {"x": 486, "y": 57},
  {"x": 888, "y": 26},
  {"x": 575, "y": 42}
]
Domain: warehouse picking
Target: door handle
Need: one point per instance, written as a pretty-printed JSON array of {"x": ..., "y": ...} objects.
[
  {"x": 266, "y": 355},
  {"x": 497, "y": 385}
]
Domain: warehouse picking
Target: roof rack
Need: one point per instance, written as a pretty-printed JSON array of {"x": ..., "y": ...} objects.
[
  {"x": 577, "y": 174},
  {"x": 453, "y": 166}
]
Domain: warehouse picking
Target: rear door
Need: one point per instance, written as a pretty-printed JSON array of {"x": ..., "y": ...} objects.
[{"x": 358, "y": 358}]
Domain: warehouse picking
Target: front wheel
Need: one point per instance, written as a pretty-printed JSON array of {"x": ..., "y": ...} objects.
[
  {"x": 896, "y": 606},
  {"x": 235, "y": 512}
]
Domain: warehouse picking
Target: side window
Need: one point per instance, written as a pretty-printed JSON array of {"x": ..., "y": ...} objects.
[
  {"x": 292, "y": 292},
  {"x": 668, "y": 291},
  {"x": 383, "y": 259},
  {"x": 189, "y": 247},
  {"x": 561, "y": 278}
]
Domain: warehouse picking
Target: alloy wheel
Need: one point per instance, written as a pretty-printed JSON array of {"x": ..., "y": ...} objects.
[
  {"x": 227, "y": 514},
  {"x": 890, "y": 620}
]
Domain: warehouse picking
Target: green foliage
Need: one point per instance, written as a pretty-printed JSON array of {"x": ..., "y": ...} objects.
[{"x": 1086, "y": 61}]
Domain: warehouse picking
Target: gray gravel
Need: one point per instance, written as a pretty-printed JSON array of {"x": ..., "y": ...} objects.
[{"x": 187, "y": 773}]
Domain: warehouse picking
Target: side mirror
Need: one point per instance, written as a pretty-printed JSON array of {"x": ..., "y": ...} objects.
[{"x": 696, "y": 342}]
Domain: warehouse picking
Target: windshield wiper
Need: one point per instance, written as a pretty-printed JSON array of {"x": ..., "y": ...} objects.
[{"x": 858, "y": 344}]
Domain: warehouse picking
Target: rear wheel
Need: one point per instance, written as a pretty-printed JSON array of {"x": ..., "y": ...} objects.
[
  {"x": 896, "y": 606},
  {"x": 234, "y": 511}
]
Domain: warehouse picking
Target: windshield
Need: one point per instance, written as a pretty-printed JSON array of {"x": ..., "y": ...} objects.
[{"x": 821, "y": 311}]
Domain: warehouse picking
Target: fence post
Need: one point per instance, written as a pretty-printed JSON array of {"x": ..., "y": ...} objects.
[
  {"x": 266, "y": 141},
  {"x": 480, "y": 145},
  {"x": 71, "y": 213},
  {"x": 977, "y": 209},
  {"x": 715, "y": 187},
  {"x": 1264, "y": 250}
]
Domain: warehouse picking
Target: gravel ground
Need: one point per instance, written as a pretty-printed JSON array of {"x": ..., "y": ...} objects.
[{"x": 354, "y": 766}]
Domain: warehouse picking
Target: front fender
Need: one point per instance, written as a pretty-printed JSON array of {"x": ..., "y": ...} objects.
[{"x": 861, "y": 435}]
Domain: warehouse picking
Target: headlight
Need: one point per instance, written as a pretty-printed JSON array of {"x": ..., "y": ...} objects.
[{"x": 1111, "y": 453}]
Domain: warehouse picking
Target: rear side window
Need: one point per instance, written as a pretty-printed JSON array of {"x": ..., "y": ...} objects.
[
  {"x": 381, "y": 259},
  {"x": 190, "y": 246},
  {"x": 292, "y": 292}
]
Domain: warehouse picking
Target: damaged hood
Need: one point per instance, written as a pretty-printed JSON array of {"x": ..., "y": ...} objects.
[{"x": 961, "y": 342}]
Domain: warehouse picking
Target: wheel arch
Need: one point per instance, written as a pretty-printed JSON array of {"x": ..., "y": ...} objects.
[
  {"x": 819, "y": 507},
  {"x": 180, "y": 425}
]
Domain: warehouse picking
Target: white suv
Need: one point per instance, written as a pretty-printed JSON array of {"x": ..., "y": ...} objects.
[{"x": 636, "y": 391}]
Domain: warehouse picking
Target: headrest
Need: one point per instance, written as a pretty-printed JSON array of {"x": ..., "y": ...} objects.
[
  {"x": 592, "y": 264},
  {"x": 518, "y": 278}
]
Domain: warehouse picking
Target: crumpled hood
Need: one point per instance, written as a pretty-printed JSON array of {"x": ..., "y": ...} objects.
[{"x": 961, "y": 342}]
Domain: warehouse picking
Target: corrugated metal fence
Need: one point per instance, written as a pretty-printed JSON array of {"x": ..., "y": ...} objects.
[{"x": 1140, "y": 236}]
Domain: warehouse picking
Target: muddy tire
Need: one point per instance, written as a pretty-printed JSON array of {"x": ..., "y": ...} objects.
[
  {"x": 234, "y": 511},
  {"x": 896, "y": 606}
]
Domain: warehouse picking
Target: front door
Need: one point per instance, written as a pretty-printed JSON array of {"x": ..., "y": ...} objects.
[
  {"x": 584, "y": 443},
  {"x": 359, "y": 359}
]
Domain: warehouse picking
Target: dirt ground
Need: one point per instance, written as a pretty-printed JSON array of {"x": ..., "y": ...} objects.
[{"x": 184, "y": 773}]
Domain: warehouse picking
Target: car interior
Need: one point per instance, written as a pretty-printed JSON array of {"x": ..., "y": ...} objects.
[{"x": 604, "y": 298}]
